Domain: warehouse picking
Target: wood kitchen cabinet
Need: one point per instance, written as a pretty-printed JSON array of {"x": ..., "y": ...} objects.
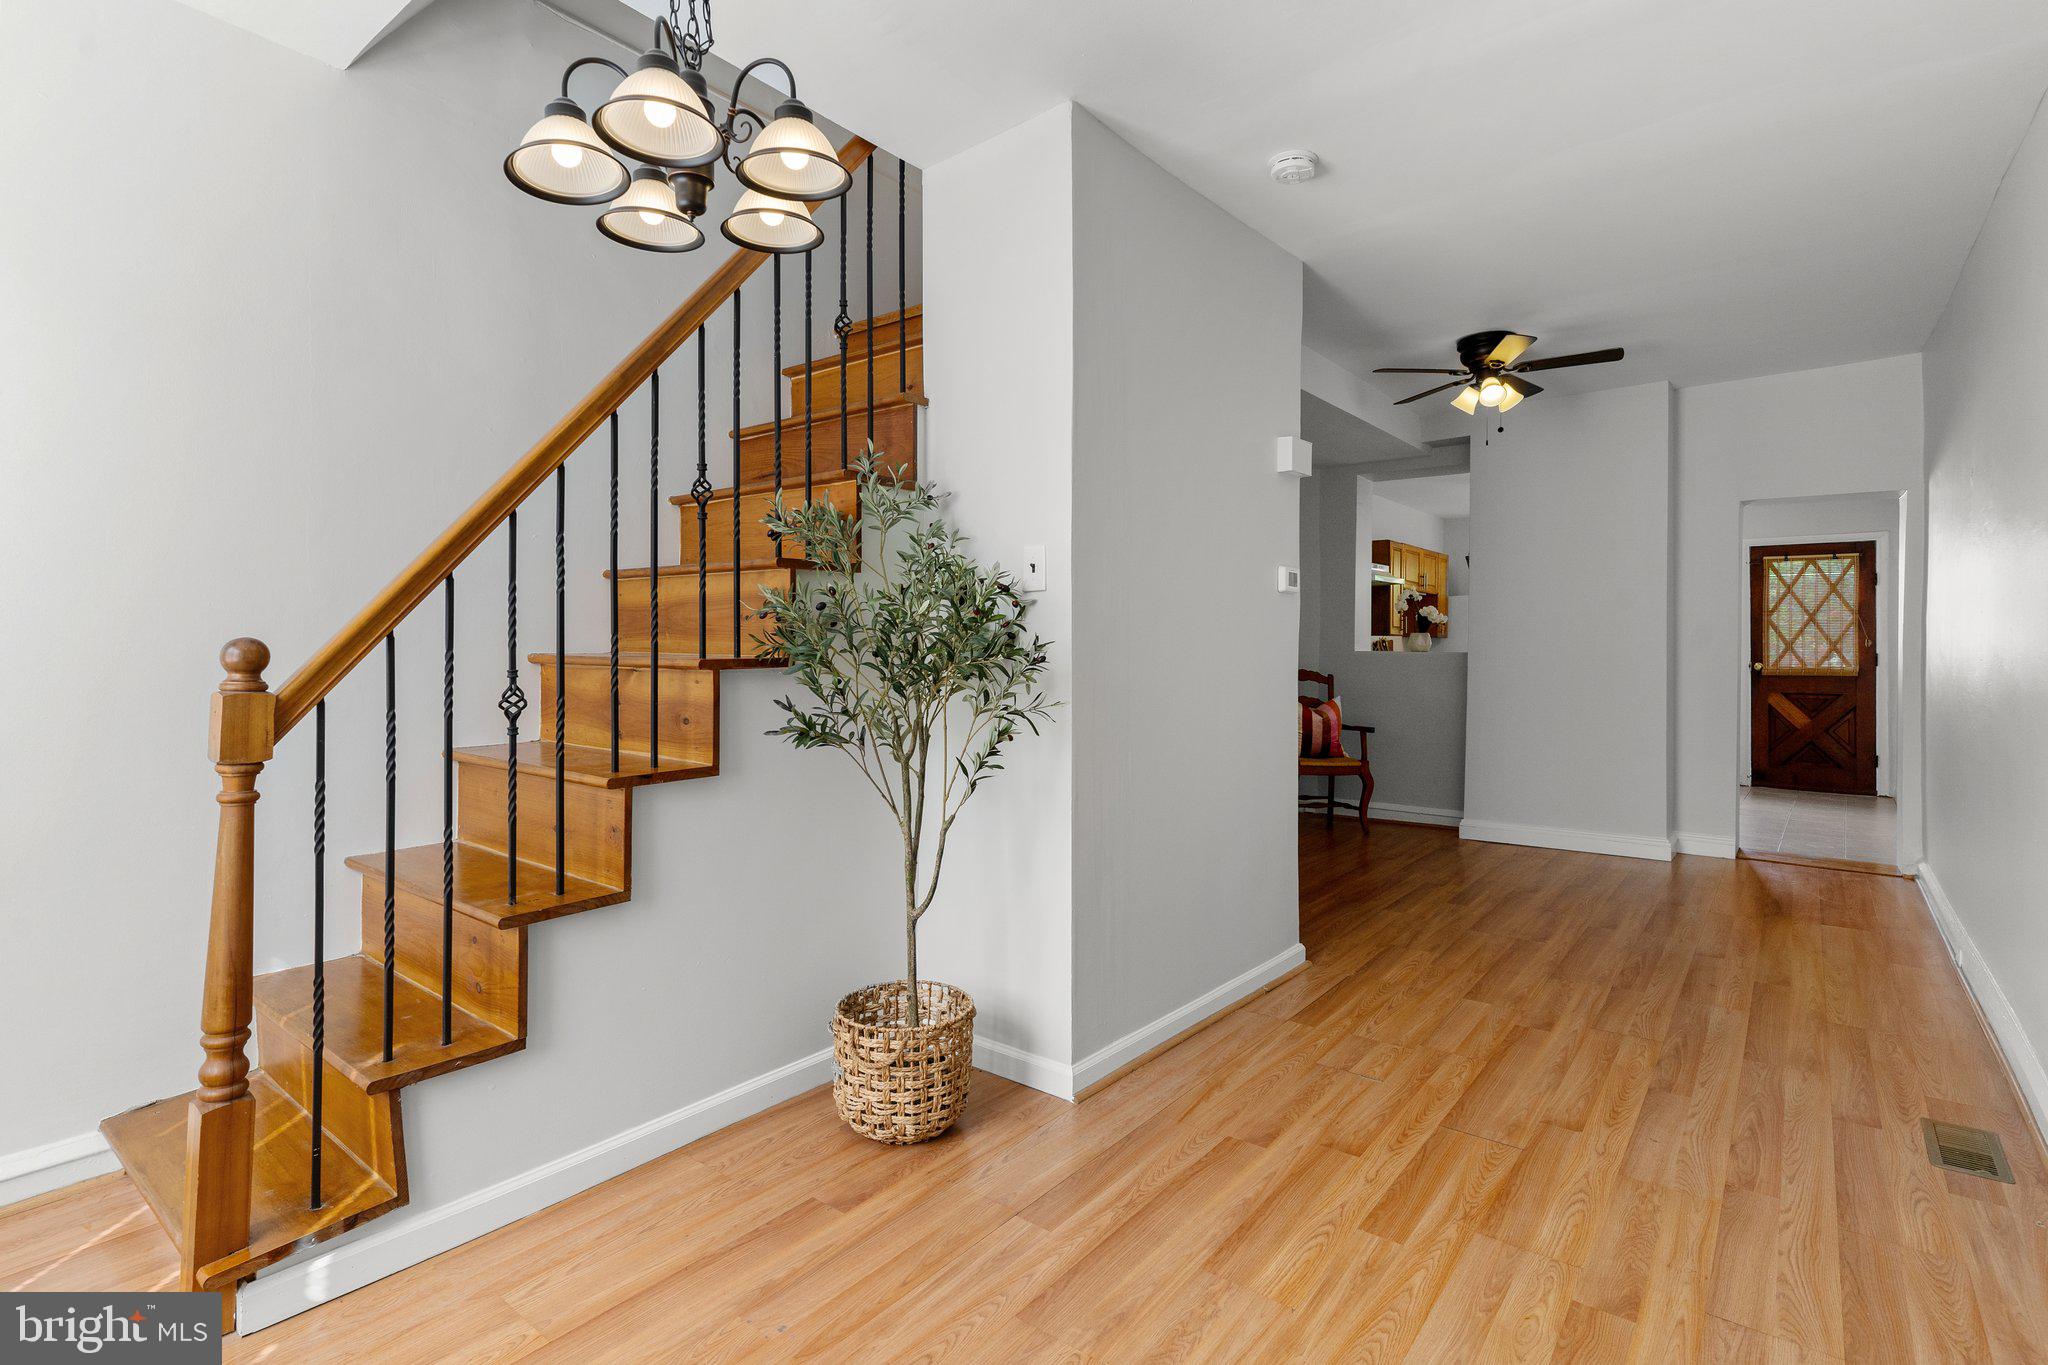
[{"x": 1426, "y": 571}]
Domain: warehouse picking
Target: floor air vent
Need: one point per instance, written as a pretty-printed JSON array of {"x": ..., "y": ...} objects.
[{"x": 1972, "y": 1151}]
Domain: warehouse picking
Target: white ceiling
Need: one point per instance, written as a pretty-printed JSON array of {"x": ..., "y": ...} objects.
[
  {"x": 1439, "y": 495},
  {"x": 1726, "y": 189},
  {"x": 332, "y": 31}
]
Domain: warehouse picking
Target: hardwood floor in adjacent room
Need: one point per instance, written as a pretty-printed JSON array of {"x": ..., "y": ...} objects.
[{"x": 1522, "y": 1105}]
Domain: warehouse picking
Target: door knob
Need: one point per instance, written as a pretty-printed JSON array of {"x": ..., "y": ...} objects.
[{"x": 1756, "y": 668}]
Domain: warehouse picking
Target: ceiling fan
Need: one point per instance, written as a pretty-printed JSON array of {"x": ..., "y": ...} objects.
[{"x": 1491, "y": 370}]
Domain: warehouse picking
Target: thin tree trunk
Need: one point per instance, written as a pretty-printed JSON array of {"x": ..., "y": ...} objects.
[
  {"x": 910, "y": 945},
  {"x": 910, "y": 927}
]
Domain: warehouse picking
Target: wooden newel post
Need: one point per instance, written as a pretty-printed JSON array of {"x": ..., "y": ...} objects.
[{"x": 220, "y": 1128}]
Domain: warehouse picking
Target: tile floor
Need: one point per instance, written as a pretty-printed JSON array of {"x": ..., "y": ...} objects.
[{"x": 1819, "y": 824}]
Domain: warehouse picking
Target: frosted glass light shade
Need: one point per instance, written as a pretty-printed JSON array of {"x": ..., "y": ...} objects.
[
  {"x": 1510, "y": 398},
  {"x": 646, "y": 217},
  {"x": 654, "y": 115},
  {"x": 762, "y": 222},
  {"x": 562, "y": 161},
  {"x": 1467, "y": 400},
  {"x": 791, "y": 159}
]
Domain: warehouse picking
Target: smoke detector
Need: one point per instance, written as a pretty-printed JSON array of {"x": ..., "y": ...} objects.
[{"x": 1292, "y": 168}]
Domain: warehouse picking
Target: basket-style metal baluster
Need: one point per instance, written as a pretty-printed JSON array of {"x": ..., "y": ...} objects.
[
  {"x": 902, "y": 276},
  {"x": 810, "y": 383},
  {"x": 842, "y": 327},
  {"x": 319, "y": 936},
  {"x": 736, "y": 474},
  {"x": 390, "y": 832},
  {"x": 512, "y": 702},
  {"x": 615, "y": 590},
  {"x": 869, "y": 282},
  {"x": 654, "y": 570},
  {"x": 775, "y": 271},
  {"x": 448, "y": 811},
  {"x": 700, "y": 493},
  {"x": 561, "y": 674}
]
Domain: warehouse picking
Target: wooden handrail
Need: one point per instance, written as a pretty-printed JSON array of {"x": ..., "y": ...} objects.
[{"x": 328, "y": 666}]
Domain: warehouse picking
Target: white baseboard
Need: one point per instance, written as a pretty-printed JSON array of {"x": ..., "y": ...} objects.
[
  {"x": 1414, "y": 815},
  {"x": 52, "y": 1166},
  {"x": 1138, "y": 1042},
  {"x": 2020, "y": 1054},
  {"x": 403, "y": 1240},
  {"x": 1705, "y": 845},
  {"x": 1025, "y": 1068},
  {"x": 1578, "y": 840}
]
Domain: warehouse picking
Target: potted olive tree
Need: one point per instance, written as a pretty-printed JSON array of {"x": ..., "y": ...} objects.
[{"x": 920, "y": 670}]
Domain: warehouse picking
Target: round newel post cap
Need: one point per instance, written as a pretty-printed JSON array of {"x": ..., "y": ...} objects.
[{"x": 244, "y": 659}]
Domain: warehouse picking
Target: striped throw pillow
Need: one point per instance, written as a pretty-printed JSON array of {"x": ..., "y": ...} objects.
[{"x": 1322, "y": 727}]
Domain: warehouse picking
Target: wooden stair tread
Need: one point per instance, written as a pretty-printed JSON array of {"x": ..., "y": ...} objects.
[
  {"x": 857, "y": 340},
  {"x": 150, "y": 1142},
  {"x": 480, "y": 884},
  {"x": 908, "y": 398},
  {"x": 795, "y": 485},
  {"x": 628, "y": 658},
  {"x": 354, "y": 1043},
  {"x": 668, "y": 571},
  {"x": 591, "y": 767}
]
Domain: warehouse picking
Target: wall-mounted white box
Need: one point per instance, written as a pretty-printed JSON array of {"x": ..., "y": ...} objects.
[
  {"x": 1290, "y": 579},
  {"x": 1292, "y": 455}
]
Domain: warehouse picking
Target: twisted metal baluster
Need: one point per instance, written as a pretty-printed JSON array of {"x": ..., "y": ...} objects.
[
  {"x": 319, "y": 936},
  {"x": 615, "y": 591},
  {"x": 654, "y": 571},
  {"x": 448, "y": 811},
  {"x": 700, "y": 493},
  {"x": 512, "y": 702},
  {"x": 902, "y": 278},
  {"x": 390, "y": 832},
  {"x": 810, "y": 391},
  {"x": 736, "y": 474},
  {"x": 561, "y": 675},
  {"x": 869, "y": 282},
  {"x": 775, "y": 270},
  {"x": 842, "y": 327}
]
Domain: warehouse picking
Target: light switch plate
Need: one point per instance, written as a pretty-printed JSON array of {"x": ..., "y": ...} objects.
[
  {"x": 1032, "y": 577},
  {"x": 1290, "y": 579}
]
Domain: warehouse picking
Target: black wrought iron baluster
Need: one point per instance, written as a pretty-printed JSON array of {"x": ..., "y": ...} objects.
[
  {"x": 512, "y": 702},
  {"x": 561, "y": 675},
  {"x": 615, "y": 591},
  {"x": 775, "y": 381},
  {"x": 700, "y": 493},
  {"x": 902, "y": 278},
  {"x": 654, "y": 570},
  {"x": 810, "y": 380},
  {"x": 736, "y": 474},
  {"x": 319, "y": 937},
  {"x": 390, "y": 832},
  {"x": 842, "y": 327},
  {"x": 869, "y": 281},
  {"x": 448, "y": 811}
]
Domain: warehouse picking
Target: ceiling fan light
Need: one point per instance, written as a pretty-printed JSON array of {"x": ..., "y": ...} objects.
[
  {"x": 658, "y": 114},
  {"x": 1491, "y": 391},
  {"x": 1467, "y": 400},
  {"x": 563, "y": 161},
  {"x": 1509, "y": 399},
  {"x": 647, "y": 218},
  {"x": 763, "y": 222},
  {"x": 791, "y": 159}
]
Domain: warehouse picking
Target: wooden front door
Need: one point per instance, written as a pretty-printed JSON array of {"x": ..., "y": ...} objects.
[{"x": 1813, "y": 666}]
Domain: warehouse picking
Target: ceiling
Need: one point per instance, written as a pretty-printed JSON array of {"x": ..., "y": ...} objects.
[
  {"x": 1726, "y": 189},
  {"x": 1439, "y": 495}
]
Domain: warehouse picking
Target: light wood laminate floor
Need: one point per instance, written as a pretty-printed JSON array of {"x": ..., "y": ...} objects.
[{"x": 1523, "y": 1105}]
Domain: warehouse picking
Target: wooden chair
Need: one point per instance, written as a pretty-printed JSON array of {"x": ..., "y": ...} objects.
[{"x": 1330, "y": 769}]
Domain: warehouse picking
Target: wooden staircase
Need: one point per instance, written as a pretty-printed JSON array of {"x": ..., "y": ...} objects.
[{"x": 252, "y": 1129}]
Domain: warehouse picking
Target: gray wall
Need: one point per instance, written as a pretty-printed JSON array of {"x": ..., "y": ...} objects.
[{"x": 1987, "y": 654}]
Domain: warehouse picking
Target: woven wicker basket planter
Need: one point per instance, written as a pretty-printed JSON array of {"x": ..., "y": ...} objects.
[{"x": 896, "y": 1083}]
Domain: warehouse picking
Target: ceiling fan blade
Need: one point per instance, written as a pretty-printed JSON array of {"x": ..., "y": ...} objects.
[
  {"x": 1468, "y": 401},
  {"x": 1397, "y": 370},
  {"x": 1427, "y": 392},
  {"x": 1510, "y": 349},
  {"x": 1520, "y": 387},
  {"x": 1558, "y": 362}
]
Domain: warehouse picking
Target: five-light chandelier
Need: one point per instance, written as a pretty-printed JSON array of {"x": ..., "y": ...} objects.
[{"x": 661, "y": 114}]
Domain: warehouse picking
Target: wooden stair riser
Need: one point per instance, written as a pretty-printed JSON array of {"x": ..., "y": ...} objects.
[
  {"x": 597, "y": 821},
  {"x": 489, "y": 974},
  {"x": 756, "y": 544},
  {"x": 885, "y": 331},
  {"x": 895, "y": 444},
  {"x": 365, "y": 1124},
  {"x": 824, "y": 382},
  {"x": 689, "y": 708},
  {"x": 679, "y": 611}
]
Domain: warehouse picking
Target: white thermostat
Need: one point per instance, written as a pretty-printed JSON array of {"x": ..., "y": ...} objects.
[{"x": 1290, "y": 579}]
